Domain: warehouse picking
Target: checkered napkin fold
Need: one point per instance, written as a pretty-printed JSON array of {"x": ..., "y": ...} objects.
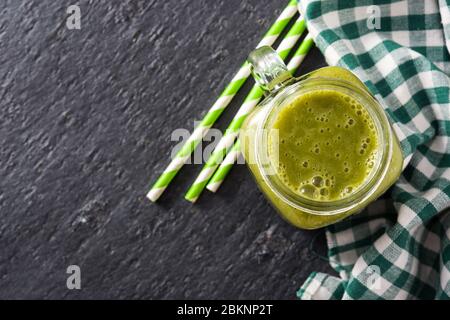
[{"x": 399, "y": 247}]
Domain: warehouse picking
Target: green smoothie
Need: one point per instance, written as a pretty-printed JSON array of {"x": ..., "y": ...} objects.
[
  {"x": 325, "y": 146},
  {"x": 325, "y": 150}
]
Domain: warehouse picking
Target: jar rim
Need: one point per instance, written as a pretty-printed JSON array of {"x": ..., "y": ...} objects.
[{"x": 385, "y": 146}]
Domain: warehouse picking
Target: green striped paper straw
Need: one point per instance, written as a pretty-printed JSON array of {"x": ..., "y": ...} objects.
[
  {"x": 218, "y": 107},
  {"x": 225, "y": 167},
  {"x": 249, "y": 104}
]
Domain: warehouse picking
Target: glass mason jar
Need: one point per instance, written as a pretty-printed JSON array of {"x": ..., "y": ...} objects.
[{"x": 281, "y": 89}]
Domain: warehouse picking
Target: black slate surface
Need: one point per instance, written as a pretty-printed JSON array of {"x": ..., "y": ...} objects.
[{"x": 85, "y": 123}]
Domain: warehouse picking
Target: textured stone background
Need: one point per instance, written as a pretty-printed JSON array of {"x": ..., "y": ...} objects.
[{"x": 85, "y": 123}]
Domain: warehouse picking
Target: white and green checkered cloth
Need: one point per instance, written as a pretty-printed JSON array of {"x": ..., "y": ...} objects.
[{"x": 399, "y": 247}]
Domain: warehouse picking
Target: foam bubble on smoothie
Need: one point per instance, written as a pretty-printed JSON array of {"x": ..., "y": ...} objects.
[
  {"x": 318, "y": 187},
  {"x": 328, "y": 145}
]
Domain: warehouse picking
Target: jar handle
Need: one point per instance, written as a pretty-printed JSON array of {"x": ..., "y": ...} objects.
[{"x": 268, "y": 69}]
